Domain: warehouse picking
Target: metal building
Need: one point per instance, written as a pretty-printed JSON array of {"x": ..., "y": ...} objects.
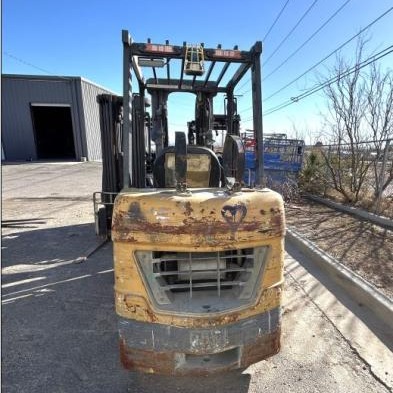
[{"x": 50, "y": 117}]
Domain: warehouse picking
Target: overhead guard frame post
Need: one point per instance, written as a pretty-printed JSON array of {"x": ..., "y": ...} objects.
[
  {"x": 183, "y": 61},
  {"x": 168, "y": 70},
  {"x": 180, "y": 161},
  {"x": 230, "y": 111},
  {"x": 139, "y": 145},
  {"x": 127, "y": 110},
  {"x": 155, "y": 74},
  {"x": 133, "y": 141},
  {"x": 257, "y": 111}
]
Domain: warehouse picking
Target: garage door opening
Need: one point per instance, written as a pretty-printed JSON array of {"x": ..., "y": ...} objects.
[{"x": 54, "y": 136}]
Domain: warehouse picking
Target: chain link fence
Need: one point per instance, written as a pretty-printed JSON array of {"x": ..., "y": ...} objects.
[{"x": 361, "y": 173}]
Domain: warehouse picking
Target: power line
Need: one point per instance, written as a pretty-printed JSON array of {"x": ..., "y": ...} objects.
[
  {"x": 330, "y": 54},
  {"x": 248, "y": 80},
  {"x": 267, "y": 34},
  {"x": 32, "y": 65},
  {"x": 245, "y": 110},
  {"x": 276, "y": 20},
  {"x": 292, "y": 30},
  {"x": 282, "y": 42},
  {"x": 334, "y": 79},
  {"x": 307, "y": 41},
  {"x": 246, "y": 91}
]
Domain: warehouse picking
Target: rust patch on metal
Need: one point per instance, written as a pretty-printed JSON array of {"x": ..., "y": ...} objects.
[
  {"x": 117, "y": 222},
  {"x": 225, "y": 319},
  {"x": 264, "y": 347},
  {"x": 191, "y": 226},
  {"x": 146, "y": 361},
  {"x": 137, "y": 308},
  {"x": 204, "y": 225},
  {"x": 233, "y": 216},
  {"x": 277, "y": 220},
  {"x": 152, "y": 316},
  {"x": 188, "y": 208},
  {"x": 165, "y": 363}
]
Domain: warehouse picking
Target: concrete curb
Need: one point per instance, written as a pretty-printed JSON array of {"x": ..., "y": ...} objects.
[
  {"x": 358, "y": 288},
  {"x": 382, "y": 221}
]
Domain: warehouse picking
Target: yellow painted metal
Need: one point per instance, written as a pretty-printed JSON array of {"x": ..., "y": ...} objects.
[
  {"x": 205, "y": 220},
  {"x": 198, "y": 170}
]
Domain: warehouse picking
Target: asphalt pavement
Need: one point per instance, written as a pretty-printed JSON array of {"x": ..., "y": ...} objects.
[{"x": 59, "y": 330}]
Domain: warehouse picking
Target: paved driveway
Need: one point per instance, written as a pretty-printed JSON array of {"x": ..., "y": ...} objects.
[{"x": 58, "y": 322}]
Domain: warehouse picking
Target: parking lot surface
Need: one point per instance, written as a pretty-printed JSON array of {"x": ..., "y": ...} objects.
[{"x": 59, "y": 331}]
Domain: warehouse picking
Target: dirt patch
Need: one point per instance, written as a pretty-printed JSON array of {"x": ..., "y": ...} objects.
[{"x": 365, "y": 248}]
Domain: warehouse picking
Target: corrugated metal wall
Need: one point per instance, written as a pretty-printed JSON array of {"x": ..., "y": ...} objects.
[
  {"x": 20, "y": 91},
  {"x": 91, "y": 111}
]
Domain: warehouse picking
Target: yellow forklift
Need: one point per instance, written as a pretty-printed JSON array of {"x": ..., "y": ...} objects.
[{"x": 198, "y": 257}]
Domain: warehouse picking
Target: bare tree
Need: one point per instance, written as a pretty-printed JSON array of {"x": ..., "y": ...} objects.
[
  {"x": 379, "y": 117},
  {"x": 359, "y": 109}
]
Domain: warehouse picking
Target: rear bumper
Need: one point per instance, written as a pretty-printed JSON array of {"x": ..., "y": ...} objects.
[{"x": 165, "y": 349}]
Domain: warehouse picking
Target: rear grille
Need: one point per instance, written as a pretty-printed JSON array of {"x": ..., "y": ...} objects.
[{"x": 200, "y": 282}]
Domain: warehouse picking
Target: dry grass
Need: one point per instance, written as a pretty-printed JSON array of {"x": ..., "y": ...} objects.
[
  {"x": 360, "y": 245},
  {"x": 367, "y": 202}
]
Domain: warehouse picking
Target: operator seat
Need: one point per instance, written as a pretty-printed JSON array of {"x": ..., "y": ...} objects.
[{"x": 203, "y": 168}]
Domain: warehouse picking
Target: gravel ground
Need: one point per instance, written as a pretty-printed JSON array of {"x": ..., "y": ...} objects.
[{"x": 362, "y": 246}]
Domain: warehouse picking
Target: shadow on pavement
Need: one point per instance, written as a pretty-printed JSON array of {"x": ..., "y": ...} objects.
[
  {"x": 43, "y": 247},
  {"x": 59, "y": 326},
  {"x": 23, "y": 223}
]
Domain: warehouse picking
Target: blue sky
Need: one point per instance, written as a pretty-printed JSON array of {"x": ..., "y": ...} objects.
[{"x": 83, "y": 37}]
